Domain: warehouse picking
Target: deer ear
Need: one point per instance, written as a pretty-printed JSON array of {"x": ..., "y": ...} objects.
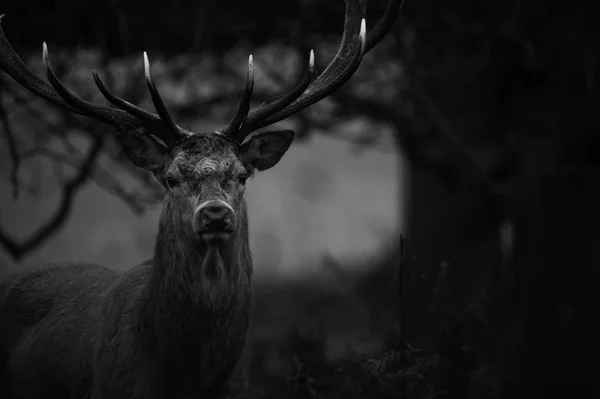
[
  {"x": 141, "y": 148},
  {"x": 264, "y": 150}
]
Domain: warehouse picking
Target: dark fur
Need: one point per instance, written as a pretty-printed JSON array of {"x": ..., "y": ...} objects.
[{"x": 172, "y": 327}]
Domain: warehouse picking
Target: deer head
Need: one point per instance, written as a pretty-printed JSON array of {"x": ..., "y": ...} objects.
[{"x": 204, "y": 174}]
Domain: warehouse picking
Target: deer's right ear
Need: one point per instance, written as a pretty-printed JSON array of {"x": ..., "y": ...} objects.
[{"x": 141, "y": 147}]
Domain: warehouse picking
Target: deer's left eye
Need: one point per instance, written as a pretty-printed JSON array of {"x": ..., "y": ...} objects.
[{"x": 242, "y": 178}]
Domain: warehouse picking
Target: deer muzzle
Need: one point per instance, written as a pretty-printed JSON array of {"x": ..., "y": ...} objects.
[{"x": 214, "y": 221}]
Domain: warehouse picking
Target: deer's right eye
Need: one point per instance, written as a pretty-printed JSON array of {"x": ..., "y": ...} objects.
[{"x": 171, "y": 182}]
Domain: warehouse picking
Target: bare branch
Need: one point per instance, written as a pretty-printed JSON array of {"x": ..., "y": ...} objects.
[
  {"x": 109, "y": 183},
  {"x": 18, "y": 249},
  {"x": 136, "y": 201},
  {"x": 12, "y": 145}
]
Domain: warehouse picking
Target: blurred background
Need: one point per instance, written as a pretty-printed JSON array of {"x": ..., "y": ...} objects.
[{"x": 432, "y": 232}]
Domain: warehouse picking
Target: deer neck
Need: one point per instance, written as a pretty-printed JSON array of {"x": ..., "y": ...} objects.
[
  {"x": 195, "y": 309},
  {"x": 210, "y": 278},
  {"x": 197, "y": 300}
]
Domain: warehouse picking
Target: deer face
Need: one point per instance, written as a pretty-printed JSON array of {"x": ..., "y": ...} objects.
[{"x": 205, "y": 177}]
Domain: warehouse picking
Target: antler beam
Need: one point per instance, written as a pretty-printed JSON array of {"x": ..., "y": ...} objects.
[{"x": 314, "y": 88}]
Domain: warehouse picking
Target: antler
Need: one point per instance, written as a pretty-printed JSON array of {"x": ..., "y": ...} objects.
[
  {"x": 314, "y": 88},
  {"x": 310, "y": 90},
  {"x": 54, "y": 91}
]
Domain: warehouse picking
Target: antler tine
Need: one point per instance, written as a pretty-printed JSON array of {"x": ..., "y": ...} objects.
[
  {"x": 119, "y": 102},
  {"x": 84, "y": 107},
  {"x": 284, "y": 100},
  {"x": 173, "y": 129},
  {"x": 281, "y": 101},
  {"x": 12, "y": 64},
  {"x": 55, "y": 92},
  {"x": 333, "y": 77},
  {"x": 90, "y": 109},
  {"x": 337, "y": 73},
  {"x": 384, "y": 25},
  {"x": 238, "y": 120}
]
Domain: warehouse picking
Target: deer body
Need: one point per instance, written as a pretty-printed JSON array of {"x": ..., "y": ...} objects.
[{"x": 175, "y": 326}]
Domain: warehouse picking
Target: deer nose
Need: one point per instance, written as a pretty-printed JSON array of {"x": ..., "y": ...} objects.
[{"x": 214, "y": 216}]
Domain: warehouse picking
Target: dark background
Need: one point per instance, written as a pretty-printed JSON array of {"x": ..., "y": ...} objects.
[{"x": 492, "y": 290}]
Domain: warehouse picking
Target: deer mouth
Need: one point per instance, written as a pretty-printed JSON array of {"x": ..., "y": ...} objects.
[{"x": 216, "y": 237}]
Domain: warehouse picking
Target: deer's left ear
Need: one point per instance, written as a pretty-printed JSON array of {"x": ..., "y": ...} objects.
[
  {"x": 141, "y": 148},
  {"x": 264, "y": 150}
]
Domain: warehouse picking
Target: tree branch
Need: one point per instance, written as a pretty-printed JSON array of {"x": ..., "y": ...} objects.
[
  {"x": 18, "y": 249},
  {"x": 12, "y": 144},
  {"x": 137, "y": 202}
]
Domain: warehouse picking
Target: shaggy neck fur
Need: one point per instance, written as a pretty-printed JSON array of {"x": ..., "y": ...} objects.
[{"x": 195, "y": 311}]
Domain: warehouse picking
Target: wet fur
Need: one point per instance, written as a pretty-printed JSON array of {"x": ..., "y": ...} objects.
[{"x": 172, "y": 327}]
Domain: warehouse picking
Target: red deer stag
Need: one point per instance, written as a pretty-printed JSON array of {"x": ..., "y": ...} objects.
[{"x": 174, "y": 326}]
